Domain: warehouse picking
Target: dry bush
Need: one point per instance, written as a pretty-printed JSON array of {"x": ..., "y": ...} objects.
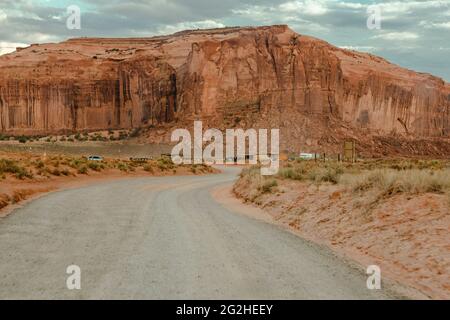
[
  {"x": 83, "y": 169},
  {"x": 125, "y": 166},
  {"x": 390, "y": 181},
  {"x": 257, "y": 184},
  {"x": 165, "y": 163},
  {"x": 267, "y": 185},
  {"x": 96, "y": 166},
  {"x": 13, "y": 167},
  {"x": 4, "y": 200},
  {"x": 149, "y": 168},
  {"x": 312, "y": 171}
]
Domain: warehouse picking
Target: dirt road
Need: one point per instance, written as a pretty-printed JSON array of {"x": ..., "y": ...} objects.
[{"x": 158, "y": 238}]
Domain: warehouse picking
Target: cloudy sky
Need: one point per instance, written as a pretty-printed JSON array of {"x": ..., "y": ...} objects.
[{"x": 414, "y": 34}]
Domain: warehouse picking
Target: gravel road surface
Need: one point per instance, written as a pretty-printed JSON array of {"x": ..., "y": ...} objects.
[{"x": 155, "y": 238}]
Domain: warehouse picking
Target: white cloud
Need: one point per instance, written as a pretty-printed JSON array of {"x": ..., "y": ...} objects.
[
  {"x": 297, "y": 14},
  {"x": 37, "y": 37},
  {"x": 435, "y": 25},
  {"x": 308, "y": 7},
  {"x": 205, "y": 24},
  {"x": 397, "y": 36},
  {"x": 8, "y": 47},
  {"x": 351, "y": 5},
  {"x": 305, "y": 26},
  {"x": 409, "y": 6},
  {"x": 360, "y": 48},
  {"x": 3, "y": 15},
  {"x": 259, "y": 13}
]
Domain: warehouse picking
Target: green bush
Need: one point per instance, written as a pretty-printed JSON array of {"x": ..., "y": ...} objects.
[{"x": 22, "y": 139}]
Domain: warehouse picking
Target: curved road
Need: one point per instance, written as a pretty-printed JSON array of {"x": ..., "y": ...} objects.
[{"x": 152, "y": 238}]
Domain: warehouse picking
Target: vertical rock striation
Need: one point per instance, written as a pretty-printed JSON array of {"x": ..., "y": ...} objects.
[{"x": 233, "y": 76}]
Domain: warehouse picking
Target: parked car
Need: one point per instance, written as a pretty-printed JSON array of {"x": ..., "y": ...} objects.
[
  {"x": 307, "y": 156},
  {"x": 95, "y": 158}
]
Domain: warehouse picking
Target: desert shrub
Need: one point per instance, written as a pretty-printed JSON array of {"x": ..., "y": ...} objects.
[
  {"x": 22, "y": 139},
  {"x": 267, "y": 185},
  {"x": 202, "y": 167},
  {"x": 391, "y": 181},
  {"x": 149, "y": 168},
  {"x": 326, "y": 174},
  {"x": 11, "y": 166},
  {"x": 77, "y": 162},
  {"x": 65, "y": 172},
  {"x": 123, "y": 135},
  {"x": 294, "y": 172},
  {"x": 39, "y": 164},
  {"x": 98, "y": 137},
  {"x": 312, "y": 171},
  {"x": 164, "y": 163},
  {"x": 83, "y": 169},
  {"x": 253, "y": 180},
  {"x": 122, "y": 166},
  {"x": 197, "y": 167},
  {"x": 135, "y": 132},
  {"x": 23, "y": 173},
  {"x": 96, "y": 166}
]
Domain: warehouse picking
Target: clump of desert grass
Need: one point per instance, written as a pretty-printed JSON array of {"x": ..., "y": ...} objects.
[
  {"x": 14, "y": 167},
  {"x": 392, "y": 181},
  {"x": 256, "y": 183},
  {"x": 312, "y": 171},
  {"x": 386, "y": 177},
  {"x": 389, "y": 176}
]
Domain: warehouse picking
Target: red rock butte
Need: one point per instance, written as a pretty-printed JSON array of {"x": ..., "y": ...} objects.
[{"x": 253, "y": 76}]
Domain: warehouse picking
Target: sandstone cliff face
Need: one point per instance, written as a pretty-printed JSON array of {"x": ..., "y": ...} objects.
[{"x": 267, "y": 76}]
